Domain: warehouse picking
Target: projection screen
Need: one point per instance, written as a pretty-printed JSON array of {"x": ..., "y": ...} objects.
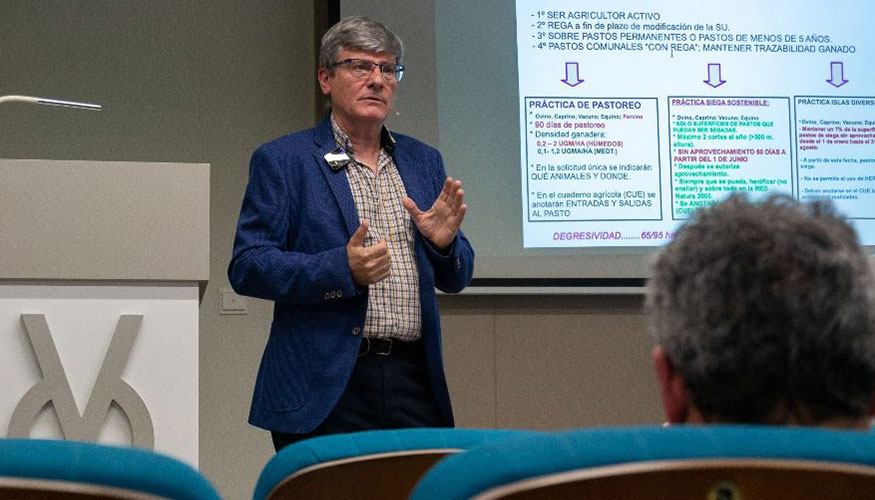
[{"x": 586, "y": 132}]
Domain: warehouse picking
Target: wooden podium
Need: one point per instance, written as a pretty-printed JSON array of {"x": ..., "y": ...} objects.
[{"x": 102, "y": 268}]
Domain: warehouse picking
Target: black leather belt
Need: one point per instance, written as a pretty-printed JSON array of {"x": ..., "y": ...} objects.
[{"x": 385, "y": 347}]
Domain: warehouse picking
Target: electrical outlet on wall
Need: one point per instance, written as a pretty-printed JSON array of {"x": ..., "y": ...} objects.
[{"x": 231, "y": 303}]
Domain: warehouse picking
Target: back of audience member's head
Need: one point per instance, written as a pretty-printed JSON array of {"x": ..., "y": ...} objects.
[{"x": 764, "y": 312}]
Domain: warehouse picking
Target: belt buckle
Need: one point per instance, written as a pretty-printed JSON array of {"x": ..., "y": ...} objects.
[
  {"x": 388, "y": 351},
  {"x": 365, "y": 347}
]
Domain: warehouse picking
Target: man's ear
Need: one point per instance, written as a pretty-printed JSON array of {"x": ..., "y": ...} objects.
[
  {"x": 324, "y": 84},
  {"x": 675, "y": 398}
]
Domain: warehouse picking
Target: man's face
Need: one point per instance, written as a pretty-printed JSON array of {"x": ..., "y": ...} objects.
[{"x": 359, "y": 101}]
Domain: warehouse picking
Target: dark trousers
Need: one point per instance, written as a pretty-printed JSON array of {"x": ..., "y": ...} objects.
[{"x": 385, "y": 391}]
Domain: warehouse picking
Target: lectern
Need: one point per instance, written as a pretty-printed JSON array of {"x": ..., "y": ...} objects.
[{"x": 102, "y": 268}]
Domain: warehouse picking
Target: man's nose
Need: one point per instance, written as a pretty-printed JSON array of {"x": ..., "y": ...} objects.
[{"x": 376, "y": 77}]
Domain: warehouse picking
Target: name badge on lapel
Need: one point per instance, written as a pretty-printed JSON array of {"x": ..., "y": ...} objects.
[{"x": 337, "y": 159}]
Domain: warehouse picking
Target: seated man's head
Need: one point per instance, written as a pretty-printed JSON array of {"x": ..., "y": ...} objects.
[{"x": 765, "y": 313}]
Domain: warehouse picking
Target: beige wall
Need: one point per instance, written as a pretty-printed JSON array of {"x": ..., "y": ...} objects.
[
  {"x": 548, "y": 362},
  {"x": 180, "y": 81},
  {"x": 206, "y": 82}
]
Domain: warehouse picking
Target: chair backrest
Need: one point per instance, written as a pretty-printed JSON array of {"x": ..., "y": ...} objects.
[
  {"x": 383, "y": 464},
  {"x": 698, "y": 479},
  {"x": 695, "y": 462},
  {"x": 48, "y": 469}
]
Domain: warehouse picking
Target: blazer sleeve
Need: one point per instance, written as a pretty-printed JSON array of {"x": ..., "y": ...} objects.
[{"x": 264, "y": 263}]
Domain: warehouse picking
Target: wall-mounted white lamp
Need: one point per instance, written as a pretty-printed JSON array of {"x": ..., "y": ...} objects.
[{"x": 50, "y": 102}]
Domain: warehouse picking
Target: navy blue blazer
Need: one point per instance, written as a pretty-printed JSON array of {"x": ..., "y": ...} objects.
[{"x": 297, "y": 217}]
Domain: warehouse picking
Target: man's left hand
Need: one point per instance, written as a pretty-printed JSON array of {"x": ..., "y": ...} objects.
[{"x": 442, "y": 221}]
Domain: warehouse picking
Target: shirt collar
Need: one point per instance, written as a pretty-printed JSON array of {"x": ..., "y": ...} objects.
[{"x": 387, "y": 142}]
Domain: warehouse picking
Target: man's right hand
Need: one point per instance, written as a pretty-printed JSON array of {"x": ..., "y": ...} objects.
[{"x": 368, "y": 265}]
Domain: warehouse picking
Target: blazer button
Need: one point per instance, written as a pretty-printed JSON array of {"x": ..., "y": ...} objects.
[
  {"x": 356, "y": 330},
  {"x": 339, "y": 294},
  {"x": 327, "y": 296}
]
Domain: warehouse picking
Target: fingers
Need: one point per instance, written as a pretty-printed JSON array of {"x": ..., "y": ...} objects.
[
  {"x": 411, "y": 207},
  {"x": 376, "y": 263},
  {"x": 369, "y": 265},
  {"x": 380, "y": 263},
  {"x": 358, "y": 238},
  {"x": 445, "y": 192},
  {"x": 455, "y": 202},
  {"x": 452, "y": 193},
  {"x": 463, "y": 209}
]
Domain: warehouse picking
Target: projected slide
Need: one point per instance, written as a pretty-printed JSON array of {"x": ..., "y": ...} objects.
[{"x": 633, "y": 115}]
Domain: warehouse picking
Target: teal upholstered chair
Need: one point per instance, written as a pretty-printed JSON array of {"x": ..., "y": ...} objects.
[
  {"x": 383, "y": 464},
  {"x": 684, "y": 462},
  {"x": 46, "y": 469}
]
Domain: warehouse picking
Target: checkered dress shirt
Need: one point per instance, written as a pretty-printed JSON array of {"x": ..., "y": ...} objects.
[{"x": 393, "y": 304}]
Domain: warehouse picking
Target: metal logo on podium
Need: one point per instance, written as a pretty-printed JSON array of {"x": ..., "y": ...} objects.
[{"x": 55, "y": 388}]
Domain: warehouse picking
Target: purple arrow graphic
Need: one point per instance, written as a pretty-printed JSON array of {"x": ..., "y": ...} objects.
[
  {"x": 572, "y": 74},
  {"x": 714, "y": 77},
  {"x": 837, "y": 74}
]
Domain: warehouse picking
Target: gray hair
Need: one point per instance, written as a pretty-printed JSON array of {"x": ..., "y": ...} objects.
[
  {"x": 767, "y": 310},
  {"x": 359, "y": 33}
]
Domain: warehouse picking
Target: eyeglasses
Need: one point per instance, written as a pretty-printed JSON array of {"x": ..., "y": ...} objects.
[{"x": 362, "y": 68}]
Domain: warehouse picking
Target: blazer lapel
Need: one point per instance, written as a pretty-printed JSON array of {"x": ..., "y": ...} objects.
[
  {"x": 412, "y": 178},
  {"x": 336, "y": 179}
]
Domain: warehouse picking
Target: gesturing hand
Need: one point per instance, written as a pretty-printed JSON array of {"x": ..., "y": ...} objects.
[
  {"x": 442, "y": 221},
  {"x": 368, "y": 265}
]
